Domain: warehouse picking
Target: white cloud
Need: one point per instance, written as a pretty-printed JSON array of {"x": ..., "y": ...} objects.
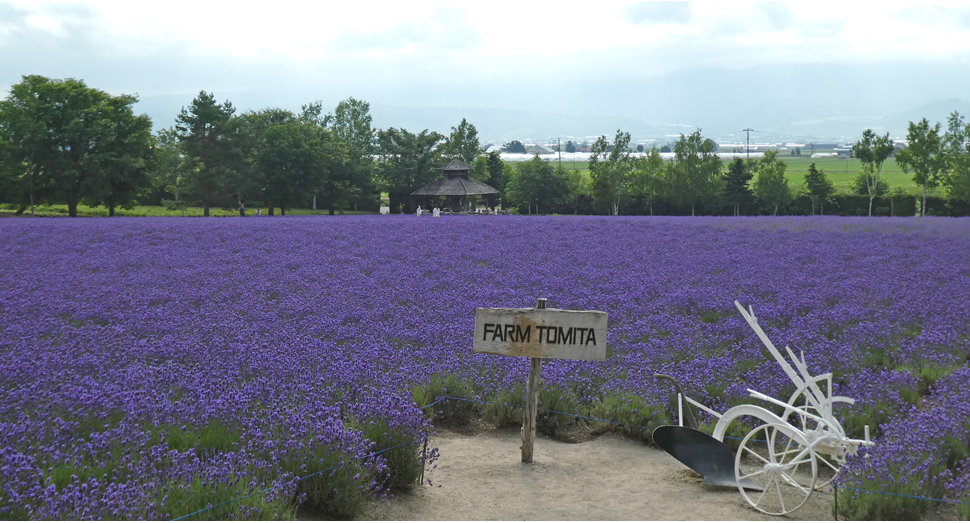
[
  {"x": 658, "y": 13},
  {"x": 45, "y": 23},
  {"x": 472, "y": 54}
]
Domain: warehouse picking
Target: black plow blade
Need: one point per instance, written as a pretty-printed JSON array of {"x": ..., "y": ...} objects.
[{"x": 703, "y": 454}]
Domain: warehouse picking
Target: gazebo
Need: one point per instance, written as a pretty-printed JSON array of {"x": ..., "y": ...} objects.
[{"x": 455, "y": 186}]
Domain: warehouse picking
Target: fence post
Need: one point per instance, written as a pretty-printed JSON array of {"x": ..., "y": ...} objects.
[{"x": 531, "y": 401}]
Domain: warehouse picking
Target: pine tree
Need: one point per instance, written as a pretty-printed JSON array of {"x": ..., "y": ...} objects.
[
  {"x": 820, "y": 187},
  {"x": 737, "y": 179}
]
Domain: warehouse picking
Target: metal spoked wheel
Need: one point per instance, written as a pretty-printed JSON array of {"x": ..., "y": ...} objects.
[
  {"x": 779, "y": 460},
  {"x": 829, "y": 465}
]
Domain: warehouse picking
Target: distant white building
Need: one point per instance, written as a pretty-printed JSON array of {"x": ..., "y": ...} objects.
[
  {"x": 843, "y": 151},
  {"x": 533, "y": 148}
]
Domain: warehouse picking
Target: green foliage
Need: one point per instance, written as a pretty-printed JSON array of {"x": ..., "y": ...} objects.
[
  {"x": 171, "y": 168},
  {"x": 538, "y": 183},
  {"x": 456, "y": 411},
  {"x": 404, "y": 460},
  {"x": 879, "y": 507},
  {"x": 490, "y": 169},
  {"x": 292, "y": 160},
  {"x": 343, "y": 485},
  {"x": 819, "y": 186},
  {"x": 610, "y": 168},
  {"x": 408, "y": 161},
  {"x": 352, "y": 124},
  {"x": 208, "y": 133},
  {"x": 346, "y": 155},
  {"x": 579, "y": 187},
  {"x": 923, "y": 156},
  {"x": 872, "y": 152},
  {"x": 736, "y": 181},
  {"x": 514, "y": 146},
  {"x": 555, "y": 405},
  {"x": 506, "y": 408},
  {"x": 771, "y": 186},
  {"x": 74, "y": 140},
  {"x": 8, "y": 171},
  {"x": 957, "y": 159},
  {"x": 647, "y": 179},
  {"x": 214, "y": 437},
  {"x": 463, "y": 143},
  {"x": 696, "y": 176},
  {"x": 636, "y": 418},
  {"x": 181, "y": 499},
  {"x": 865, "y": 183}
]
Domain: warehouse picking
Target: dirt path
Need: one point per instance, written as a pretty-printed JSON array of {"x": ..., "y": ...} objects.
[{"x": 481, "y": 477}]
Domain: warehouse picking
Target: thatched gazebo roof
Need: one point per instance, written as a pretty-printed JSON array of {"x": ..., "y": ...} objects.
[{"x": 455, "y": 183}]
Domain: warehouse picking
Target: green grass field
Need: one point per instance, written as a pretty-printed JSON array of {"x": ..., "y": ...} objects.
[{"x": 840, "y": 170}]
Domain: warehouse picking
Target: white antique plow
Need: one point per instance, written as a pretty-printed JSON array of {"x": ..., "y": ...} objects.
[{"x": 792, "y": 451}]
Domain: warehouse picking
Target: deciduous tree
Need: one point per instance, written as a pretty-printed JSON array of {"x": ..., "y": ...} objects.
[
  {"x": 514, "y": 146},
  {"x": 463, "y": 143},
  {"x": 957, "y": 158},
  {"x": 872, "y": 151},
  {"x": 408, "y": 162},
  {"x": 770, "y": 186},
  {"x": 696, "y": 173},
  {"x": 610, "y": 168},
  {"x": 488, "y": 169},
  {"x": 579, "y": 187},
  {"x": 352, "y": 123},
  {"x": 647, "y": 179},
  {"x": 80, "y": 141},
  {"x": 23, "y": 133},
  {"x": 8, "y": 171},
  {"x": 292, "y": 161},
  {"x": 923, "y": 156},
  {"x": 125, "y": 159},
  {"x": 538, "y": 183},
  {"x": 351, "y": 156},
  {"x": 170, "y": 168}
]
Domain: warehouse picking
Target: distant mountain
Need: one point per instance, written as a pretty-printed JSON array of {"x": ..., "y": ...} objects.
[
  {"x": 660, "y": 122},
  {"x": 503, "y": 125},
  {"x": 897, "y": 123}
]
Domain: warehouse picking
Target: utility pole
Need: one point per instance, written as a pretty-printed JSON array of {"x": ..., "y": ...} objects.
[
  {"x": 559, "y": 148},
  {"x": 747, "y": 143}
]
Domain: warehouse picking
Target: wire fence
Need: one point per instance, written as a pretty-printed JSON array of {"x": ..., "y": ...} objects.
[{"x": 835, "y": 487}]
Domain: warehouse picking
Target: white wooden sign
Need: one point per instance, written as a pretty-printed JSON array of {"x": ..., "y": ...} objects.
[{"x": 541, "y": 333}]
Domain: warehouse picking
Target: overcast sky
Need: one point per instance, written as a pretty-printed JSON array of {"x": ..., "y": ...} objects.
[{"x": 717, "y": 65}]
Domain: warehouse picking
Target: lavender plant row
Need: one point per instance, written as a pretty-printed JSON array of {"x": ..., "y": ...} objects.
[{"x": 149, "y": 367}]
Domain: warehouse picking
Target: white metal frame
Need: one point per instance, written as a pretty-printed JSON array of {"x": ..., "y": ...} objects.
[{"x": 817, "y": 434}]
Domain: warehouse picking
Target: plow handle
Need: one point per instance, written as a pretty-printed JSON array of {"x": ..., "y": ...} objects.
[{"x": 688, "y": 415}]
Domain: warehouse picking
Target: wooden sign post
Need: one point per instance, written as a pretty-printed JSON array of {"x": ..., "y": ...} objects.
[{"x": 539, "y": 333}]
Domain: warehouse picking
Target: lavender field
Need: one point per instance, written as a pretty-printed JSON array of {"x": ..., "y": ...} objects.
[{"x": 154, "y": 367}]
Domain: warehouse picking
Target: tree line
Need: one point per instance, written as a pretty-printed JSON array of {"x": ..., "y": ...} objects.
[
  {"x": 62, "y": 141},
  {"x": 698, "y": 181}
]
